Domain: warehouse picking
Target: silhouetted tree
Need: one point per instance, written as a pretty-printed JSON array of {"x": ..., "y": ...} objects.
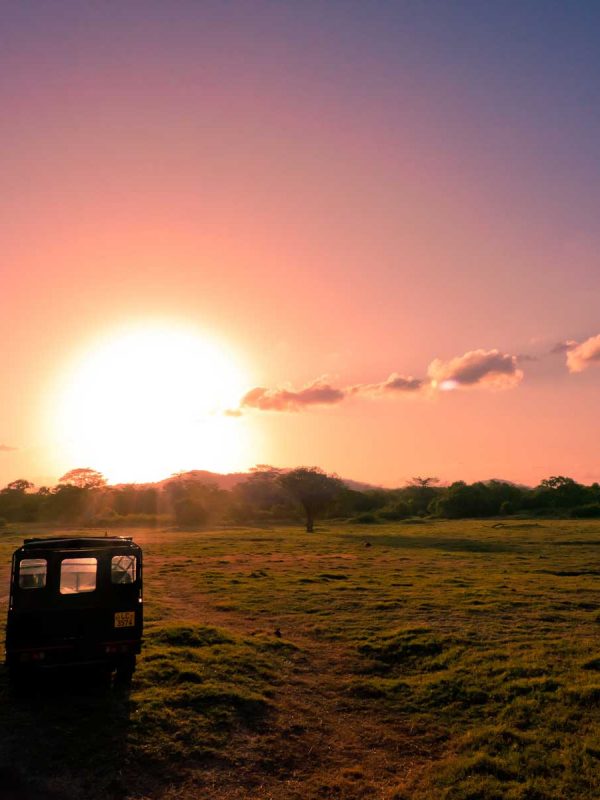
[
  {"x": 559, "y": 493},
  {"x": 423, "y": 483},
  {"x": 419, "y": 493},
  {"x": 66, "y": 502},
  {"x": 195, "y": 501},
  {"x": 313, "y": 489},
  {"x": 17, "y": 503},
  {"x": 262, "y": 489},
  {"x": 20, "y": 486},
  {"x": 462, "y": 500},
  {"x": 83, "y": 478},
  {"x": 351, "y": 501}
]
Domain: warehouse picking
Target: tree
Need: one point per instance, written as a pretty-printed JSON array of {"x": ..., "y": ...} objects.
[
  {"x": 313, "y": 489},
  {"x": 17, "y": 502},
  {"x": 262, "y": 489},
  {"x": 83, "y": 478},
  {"x": 20, "y": 486},
  {"x": 560, "y": 492},
  {"x": 419, "y": 493},
  {"x": 423, "y": 483},
  {"x": 194, "y": 501},
  {"x": 461, "y": 500},
  {"x": 190, "y": 512},
  {"x": 67, "y": 502}
]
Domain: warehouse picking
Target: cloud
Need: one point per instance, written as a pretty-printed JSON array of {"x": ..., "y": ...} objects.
[
  {"x": 489, "y": 369},
  {"x": 314, "y": 394},
  {"x": 395, "y": 383},
  {"x": 319, "y": 393},
  {"x": 580, "y": 356},
  {"x": 5, "y": 448},
  {"x": 563, "y": 347},
  {"x": 524, "y": 358}
]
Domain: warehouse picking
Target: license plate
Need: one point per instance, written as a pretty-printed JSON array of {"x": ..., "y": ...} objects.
[{"x": 124, "y": 619}]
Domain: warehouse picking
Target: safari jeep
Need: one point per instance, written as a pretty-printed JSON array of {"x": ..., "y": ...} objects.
[{"x": 75, "y": 601}]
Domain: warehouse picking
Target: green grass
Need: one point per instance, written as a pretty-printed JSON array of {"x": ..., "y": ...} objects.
[{"x": 448, "y": 660}]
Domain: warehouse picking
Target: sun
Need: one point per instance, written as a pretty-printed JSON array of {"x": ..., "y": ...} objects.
[{"x": 148, "y": 401}]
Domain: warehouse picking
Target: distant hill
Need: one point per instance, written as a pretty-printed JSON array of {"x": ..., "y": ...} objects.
[
  {"x": 503, "y": 480},
  {"x": 229, "y": 480}
]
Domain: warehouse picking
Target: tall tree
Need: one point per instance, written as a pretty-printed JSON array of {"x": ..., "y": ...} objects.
[
  {"x": 314, "y": 489},
  {"x": 83, "y": 478}
]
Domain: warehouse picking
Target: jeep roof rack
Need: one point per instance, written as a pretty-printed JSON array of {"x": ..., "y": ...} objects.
[{"x": 75, "y": 542}]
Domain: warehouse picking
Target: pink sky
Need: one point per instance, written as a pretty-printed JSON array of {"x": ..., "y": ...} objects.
[{"x": 335, "y": 199}]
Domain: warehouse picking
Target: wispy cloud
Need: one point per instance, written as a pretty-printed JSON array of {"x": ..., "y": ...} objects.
[
  {"x": 526, "y": 358},
  {"x": 314, "y": 394},
  {"x": 395, "y": 383},
  {"x": 488, "y": 369},
  {"x": 5, "y": 448},
  {"x": 563, "y": 347},
  {"x": 581, "y": 356}
]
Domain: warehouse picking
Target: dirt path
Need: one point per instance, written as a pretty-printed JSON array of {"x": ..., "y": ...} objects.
[{"x": 321, "y": 741}]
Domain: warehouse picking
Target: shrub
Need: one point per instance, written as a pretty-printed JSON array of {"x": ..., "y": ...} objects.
[
  {"x": 586, "y": 511},
  {"x": 507, "y": 508},
  {"x": 365, "y": 519},
  {"x": 400, "y": 510}
]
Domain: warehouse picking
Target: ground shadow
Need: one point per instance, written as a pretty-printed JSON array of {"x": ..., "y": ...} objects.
[{"x": 63, "y": 736}]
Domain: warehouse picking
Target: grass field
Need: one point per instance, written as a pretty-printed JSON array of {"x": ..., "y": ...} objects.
[{"x": 409, "y": 661}]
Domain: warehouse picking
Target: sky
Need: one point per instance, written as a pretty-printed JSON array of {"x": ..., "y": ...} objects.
[{"x": 363, "y": 236}]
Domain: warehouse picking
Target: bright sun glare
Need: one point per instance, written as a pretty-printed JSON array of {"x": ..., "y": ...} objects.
[{"x": 150, "y": 401}]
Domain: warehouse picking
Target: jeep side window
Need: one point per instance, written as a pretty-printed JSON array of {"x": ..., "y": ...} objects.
[
  {"x": 32, "y": 573},
  {"x": 78, "y": 575},
  {"x": 122, "y": 569}
]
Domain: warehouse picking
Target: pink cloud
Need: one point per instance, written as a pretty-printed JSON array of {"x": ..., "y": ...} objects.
[
  {"x": 489, "y": 369},
  {"x": 316, "y": 393},
  {"x": 395, "y": 383},
  {"x": 563, "y": 347},
  {"x": 580, "y": 356}
]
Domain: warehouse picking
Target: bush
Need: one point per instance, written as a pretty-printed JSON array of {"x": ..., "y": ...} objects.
[
  {"x": 400, "y": 510},
  {"x": 365, "y": 519},
  {"x": 586, "y": 511}
]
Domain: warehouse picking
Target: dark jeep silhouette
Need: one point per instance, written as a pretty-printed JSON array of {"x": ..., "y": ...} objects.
[{"x": 75, "y": 601}]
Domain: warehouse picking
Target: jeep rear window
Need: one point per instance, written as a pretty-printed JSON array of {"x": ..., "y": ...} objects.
[
  {"x": 122, "y": 569},
  {"x": 78, "y": 575},
  {"x": 32, "y": 573}
]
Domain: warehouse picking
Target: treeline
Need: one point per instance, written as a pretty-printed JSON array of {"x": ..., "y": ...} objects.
[{"x": 270, "y": 495}]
